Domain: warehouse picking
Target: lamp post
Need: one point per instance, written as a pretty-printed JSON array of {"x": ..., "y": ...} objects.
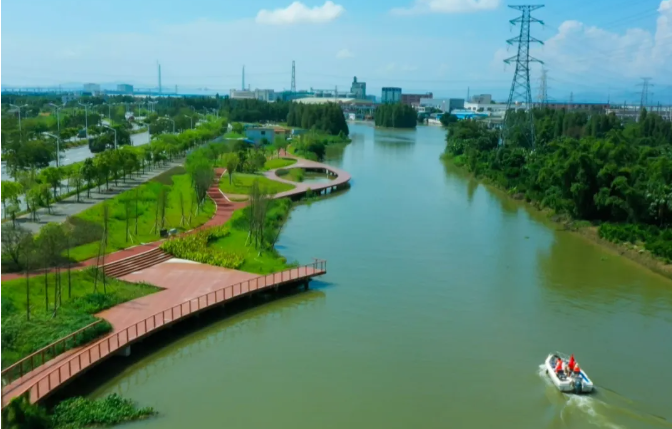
[
  {"x": 86, "y": 118},
  {"x": 172, "y": 122},
  {"x": 58, "y": 147},
  {"x": 58, "y": 116},
  {"x": 19, "y": 109},
  {"x": 191, "y": 119},
  {"x": 115, "y": 134}
]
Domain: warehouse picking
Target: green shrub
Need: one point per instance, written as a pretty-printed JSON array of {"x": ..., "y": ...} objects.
[
  {"x": 80, "y": 412},
  {"x": 194, "y": 247}
]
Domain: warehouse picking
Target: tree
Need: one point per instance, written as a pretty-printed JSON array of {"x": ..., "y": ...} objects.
[
  {"x": 280, "y": 144},
  {"x": 231, "y": 162},
  {"x": 447, "y": 119},
  {"x": 14, "y": 241},
  {"x": 256, "y": 216},
  {"x": 238, "y": 128},
  {"x": 52, "y": 176},
  {"x": 10, "y": 193},
  {"x": 51, "y": 243},
  {"x": 257, "y": 161},
  {"x": 33, "y": 201},
  {"x": 45, "y": 195},
  {"x": 76, "y": 179},
  {"x": 89, "y": 174}
]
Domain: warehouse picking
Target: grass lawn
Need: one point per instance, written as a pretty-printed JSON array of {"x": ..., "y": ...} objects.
[
  {"x": 242, "y": 183},
  {"x": 79, "y": 303},
  {"x": 274, "y": 163},
  {"x": 268, "y": 261},
  {"x": 148, "y": 194},
  {"x": 232, "y": 135}
]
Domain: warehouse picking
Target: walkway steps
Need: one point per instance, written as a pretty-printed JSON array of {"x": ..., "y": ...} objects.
[{"x": 136, "y": 263}]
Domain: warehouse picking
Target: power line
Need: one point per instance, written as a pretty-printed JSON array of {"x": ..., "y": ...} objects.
[{"x": 520, "y": 87}]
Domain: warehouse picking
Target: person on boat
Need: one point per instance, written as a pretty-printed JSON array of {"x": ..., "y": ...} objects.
[
  {"x": 577, "y": 370},
  {"x": 571, "y": 363},
  {"x": 558, "y": 367}
]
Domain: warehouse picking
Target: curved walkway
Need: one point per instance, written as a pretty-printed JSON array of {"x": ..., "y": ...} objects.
[
  {"x": 189, "y": 287},
  {"x": 342, "y": 177}
]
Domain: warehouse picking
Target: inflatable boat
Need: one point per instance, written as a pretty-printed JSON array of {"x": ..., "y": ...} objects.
[{"x": 571, "y": 383}]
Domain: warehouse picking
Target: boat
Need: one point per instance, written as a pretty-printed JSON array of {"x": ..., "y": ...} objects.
[{"x": 567, "y": 383}]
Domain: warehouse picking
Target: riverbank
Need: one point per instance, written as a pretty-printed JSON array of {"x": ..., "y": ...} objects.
[{"x": 583, "y": 229}]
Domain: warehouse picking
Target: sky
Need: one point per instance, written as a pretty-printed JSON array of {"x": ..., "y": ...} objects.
[{"x": 593, "y": 49}]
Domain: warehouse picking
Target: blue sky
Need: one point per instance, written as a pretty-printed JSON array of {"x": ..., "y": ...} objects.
[{"x": 595, "y": 48}]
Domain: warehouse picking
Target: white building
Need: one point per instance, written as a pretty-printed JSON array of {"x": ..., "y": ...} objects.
[
  {"x": 488, "y": 108},
  {"x": 258, "y": 94}
]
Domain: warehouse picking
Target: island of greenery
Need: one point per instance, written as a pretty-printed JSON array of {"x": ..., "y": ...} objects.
[
  {"x": 396, "y": 116},
  {"x": 591, "y": 167}
]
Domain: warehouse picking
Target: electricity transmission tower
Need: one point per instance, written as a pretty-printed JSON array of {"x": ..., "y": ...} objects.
[
  {"x": 293, "y": 77},
  {"x": 520, "y": 87},
  {"x": 542, "y": 97},
  {"x": 645, "y": 92}
]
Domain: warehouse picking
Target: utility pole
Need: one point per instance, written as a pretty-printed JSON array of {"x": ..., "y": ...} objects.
[
  {"x": 520, "y": 87},
  {"x": 293, "y": 76},
  {"x": 468, "y": 94},
  {"x": 645, "y": 92},
  {"x": 571, "y": 99},
  {"x": 542, "y": 97},
  {"x": 243, "y": 86}
]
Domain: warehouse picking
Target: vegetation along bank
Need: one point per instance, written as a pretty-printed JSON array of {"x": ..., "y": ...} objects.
[{"x": 614, "y": 176}]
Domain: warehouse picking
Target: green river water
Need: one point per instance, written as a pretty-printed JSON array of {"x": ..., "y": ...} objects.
[{"x": 442, "y": 300}]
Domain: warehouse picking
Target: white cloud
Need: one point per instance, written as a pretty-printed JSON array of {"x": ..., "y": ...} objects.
[
  {"x": 298, "y": 13},
  {"x": 585, "y": 55},
  {"x": 447, "y": 6},
  {"x": 344, "y": 53}
]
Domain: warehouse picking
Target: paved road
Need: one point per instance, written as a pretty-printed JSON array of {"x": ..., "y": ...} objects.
[
  {"x": 78, "y": 154},
  {"x": 70, "y": 206}
]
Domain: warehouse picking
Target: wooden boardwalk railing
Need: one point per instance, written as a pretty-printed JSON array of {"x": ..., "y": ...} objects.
[
  {"x": 43, "y": 355},
  {"x": 54, "y": 377}
]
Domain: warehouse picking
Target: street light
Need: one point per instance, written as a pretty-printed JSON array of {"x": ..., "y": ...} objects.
[
  {"x": 86, "y": 117},
  {"x": 58, "y": 116},
  {"x": 109, "y": 110},
  {"x": 19, "y": 109},
  {"x": 115, "y": 134},
  {"x": 191, "y": 119},
  {"x": 166, "y": 117},
  {"x": 58, "y": 147}
]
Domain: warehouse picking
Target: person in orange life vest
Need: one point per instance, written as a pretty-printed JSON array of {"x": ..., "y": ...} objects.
[
  {"x": 577, "y": 370},
  {"x": 558, "y": 367},
  {"x": 572, "y": 362}
]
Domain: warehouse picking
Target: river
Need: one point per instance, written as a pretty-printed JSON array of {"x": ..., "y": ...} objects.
[{"x": 442, "y": 300}]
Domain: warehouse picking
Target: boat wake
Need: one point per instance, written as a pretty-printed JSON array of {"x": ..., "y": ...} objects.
[{"x": 602, "y": 409}]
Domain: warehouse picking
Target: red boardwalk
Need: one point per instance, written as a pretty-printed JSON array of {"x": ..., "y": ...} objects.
[{"x": 191, "y": 288}]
